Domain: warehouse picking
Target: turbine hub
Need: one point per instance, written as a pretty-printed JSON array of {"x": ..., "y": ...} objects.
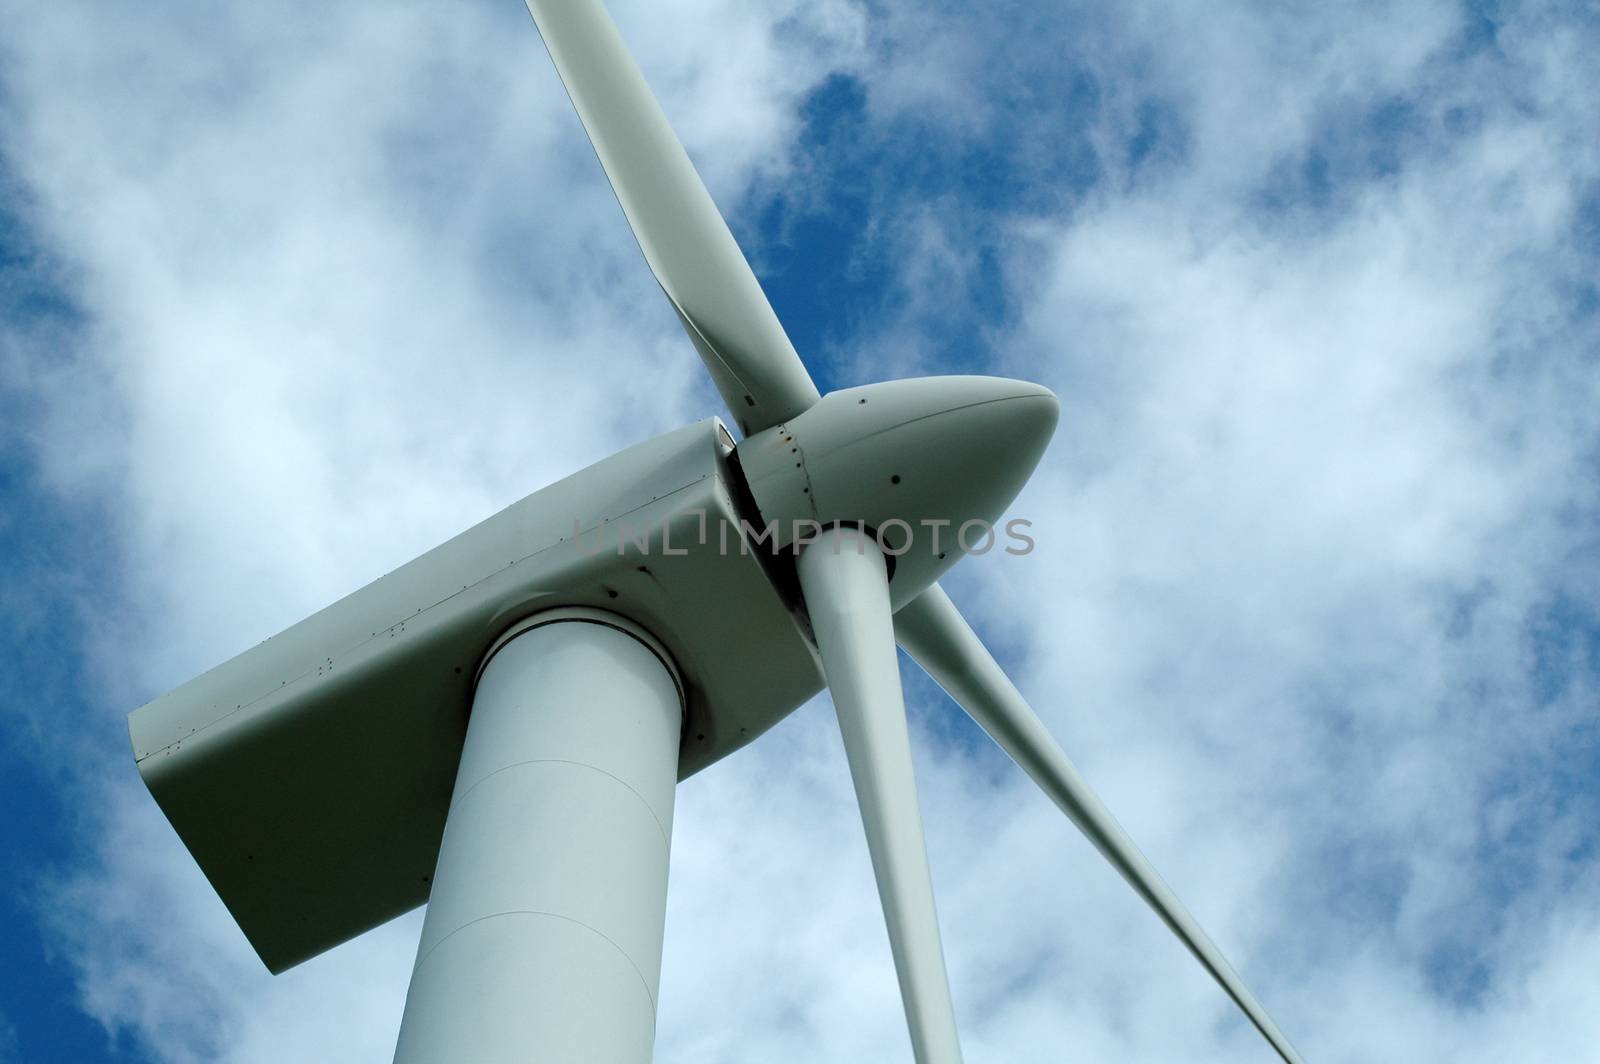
[{"x": 927, "y": 465}]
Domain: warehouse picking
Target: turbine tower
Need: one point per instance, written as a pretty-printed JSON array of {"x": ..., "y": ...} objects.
[{"x": 497, "y": 728}]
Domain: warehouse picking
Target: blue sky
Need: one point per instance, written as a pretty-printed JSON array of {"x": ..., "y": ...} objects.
[{"x": 286, "y": 300}]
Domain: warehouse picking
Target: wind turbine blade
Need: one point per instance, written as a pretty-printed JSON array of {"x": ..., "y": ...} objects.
[
  {"x": 933, "y": 632},
  {"x": 684, "y": 238},
  {"x": 847, "y": 596}
]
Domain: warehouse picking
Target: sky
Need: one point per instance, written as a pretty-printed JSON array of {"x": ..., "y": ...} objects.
[{"x": 290, "y": 293}]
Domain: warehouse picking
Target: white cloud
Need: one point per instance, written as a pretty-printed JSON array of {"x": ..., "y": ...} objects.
[
  {"x": 8, "y": 1041},
  {"x": 1319, "y": 478},
  {"x": 352, "y": 281}
]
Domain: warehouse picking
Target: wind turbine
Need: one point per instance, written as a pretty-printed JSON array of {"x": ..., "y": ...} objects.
[{"x": 497, "y": 727}]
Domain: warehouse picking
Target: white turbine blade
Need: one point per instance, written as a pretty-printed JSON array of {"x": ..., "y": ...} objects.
[
  {"x": 684, "y": 238},
  {"x": 933, "y": 632},
  {"x": 847, "y": 595}
]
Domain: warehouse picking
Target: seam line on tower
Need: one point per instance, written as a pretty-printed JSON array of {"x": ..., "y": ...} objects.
[
  {"x": 462, "y": 797},
  {"x": 557, "y": 916}
]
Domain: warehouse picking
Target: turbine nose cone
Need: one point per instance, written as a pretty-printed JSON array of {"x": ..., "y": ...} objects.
[
  {"x": 1010, "y": 426},
  {"x": 918, "y": 460}
]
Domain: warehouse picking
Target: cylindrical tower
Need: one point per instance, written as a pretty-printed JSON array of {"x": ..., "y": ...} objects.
[{"x": 542, "y": 940}]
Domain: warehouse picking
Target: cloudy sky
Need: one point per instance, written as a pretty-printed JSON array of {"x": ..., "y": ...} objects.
[{"x": 291, "y": 292}]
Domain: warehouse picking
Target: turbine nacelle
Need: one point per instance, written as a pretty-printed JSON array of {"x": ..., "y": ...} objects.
[{"x": 913, "y": 462}]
